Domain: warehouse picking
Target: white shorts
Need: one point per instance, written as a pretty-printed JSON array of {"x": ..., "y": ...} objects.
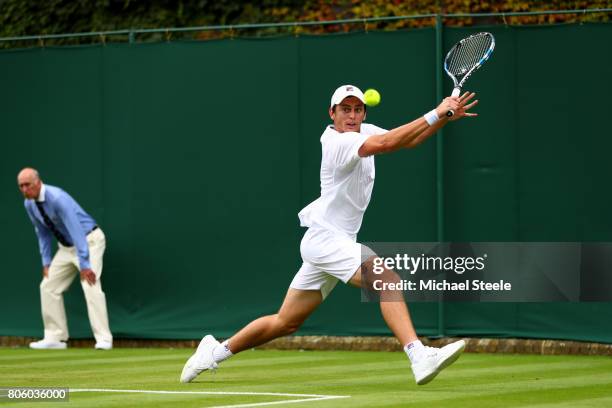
[{"x": 328, "y": 257}]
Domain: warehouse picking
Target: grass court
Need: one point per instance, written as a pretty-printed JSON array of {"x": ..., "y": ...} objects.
[{"x": 148, "y": 378}]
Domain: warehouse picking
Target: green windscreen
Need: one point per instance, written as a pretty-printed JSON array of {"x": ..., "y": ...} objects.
[{"x": 195, "y": 157}]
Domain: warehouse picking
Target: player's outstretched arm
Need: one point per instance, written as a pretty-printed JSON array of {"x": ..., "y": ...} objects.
[{"x": 415, "y": 132}]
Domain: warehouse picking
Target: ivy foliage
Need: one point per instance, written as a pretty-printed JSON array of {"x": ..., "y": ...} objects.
[{"x": 34, "y": 18}]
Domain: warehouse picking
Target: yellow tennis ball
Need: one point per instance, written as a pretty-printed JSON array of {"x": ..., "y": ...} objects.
[{"x": 372, "y": 97}]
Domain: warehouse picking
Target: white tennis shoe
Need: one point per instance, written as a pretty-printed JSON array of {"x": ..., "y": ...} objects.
[
  {"x": 435, "y": 360},
  {"x": 104, "y": 345},
  {"x": 201, "y": 360},
  {"x": 48, "y": 345}
]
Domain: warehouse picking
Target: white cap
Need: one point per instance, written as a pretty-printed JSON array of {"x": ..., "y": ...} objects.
[{"x": 346, "y": 91}]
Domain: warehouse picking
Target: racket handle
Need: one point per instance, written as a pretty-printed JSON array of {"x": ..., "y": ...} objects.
[{"x": 456, "y": 92}]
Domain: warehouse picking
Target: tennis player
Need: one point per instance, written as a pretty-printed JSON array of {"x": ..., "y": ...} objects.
[{"x": 329, "y": 248}]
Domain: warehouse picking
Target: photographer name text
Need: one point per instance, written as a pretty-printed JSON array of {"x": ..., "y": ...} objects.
[{"x": 467, "y": 285}]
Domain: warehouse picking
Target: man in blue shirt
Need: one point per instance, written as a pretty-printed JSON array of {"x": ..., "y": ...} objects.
[{"x": 81, "y": 245}]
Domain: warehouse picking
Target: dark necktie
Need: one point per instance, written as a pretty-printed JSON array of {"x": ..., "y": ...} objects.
[{"x": 52, "y": 227}]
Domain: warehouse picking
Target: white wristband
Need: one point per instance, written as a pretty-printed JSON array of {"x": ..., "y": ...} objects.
[{"x": 431, "y": 117}]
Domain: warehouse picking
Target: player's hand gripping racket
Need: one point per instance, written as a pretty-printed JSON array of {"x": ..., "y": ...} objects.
[{"x": 466, "y": 57}]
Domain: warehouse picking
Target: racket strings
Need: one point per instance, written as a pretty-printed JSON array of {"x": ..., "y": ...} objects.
[
  {"x": 468, "y": 53},
  {"x": 464, "y": 57}
]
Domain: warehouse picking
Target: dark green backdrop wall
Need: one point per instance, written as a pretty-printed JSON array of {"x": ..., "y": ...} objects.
[{"x": 195, "y": 158}]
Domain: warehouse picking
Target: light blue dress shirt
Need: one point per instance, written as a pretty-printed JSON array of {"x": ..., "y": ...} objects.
[{"x": 69, "y": 219}]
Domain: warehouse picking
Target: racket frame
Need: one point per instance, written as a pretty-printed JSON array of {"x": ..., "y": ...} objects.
[{"x": 458, "y": 85}]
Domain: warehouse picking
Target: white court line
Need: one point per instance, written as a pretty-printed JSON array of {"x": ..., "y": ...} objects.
[
  {"x": 301, "y": 397},
  {"x": 260, "y": 404}
]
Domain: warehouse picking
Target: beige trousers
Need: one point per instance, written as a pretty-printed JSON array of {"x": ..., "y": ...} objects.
[{"x": 62, "y": 271}]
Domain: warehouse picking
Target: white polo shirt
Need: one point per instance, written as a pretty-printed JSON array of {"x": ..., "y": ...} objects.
[{"x": 346, "y": 182}]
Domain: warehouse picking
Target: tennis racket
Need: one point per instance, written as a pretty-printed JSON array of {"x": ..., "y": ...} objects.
[{"x": 466, "y": 57}]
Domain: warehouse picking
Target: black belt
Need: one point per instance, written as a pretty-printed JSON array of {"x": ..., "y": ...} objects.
[{"x": 90, "y": 231}]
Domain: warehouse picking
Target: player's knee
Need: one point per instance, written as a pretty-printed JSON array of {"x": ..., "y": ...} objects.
[
  {"x": 391, "y": 276},
  {"x": 380, "y": 274},
  {"x": 287, "y": 327},
  {"x": 290, "y": 329}
]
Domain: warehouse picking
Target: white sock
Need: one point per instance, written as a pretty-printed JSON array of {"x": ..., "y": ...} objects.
[
  {"x": 414, "y": 350},
  {"x": 222, "y": 352}
]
